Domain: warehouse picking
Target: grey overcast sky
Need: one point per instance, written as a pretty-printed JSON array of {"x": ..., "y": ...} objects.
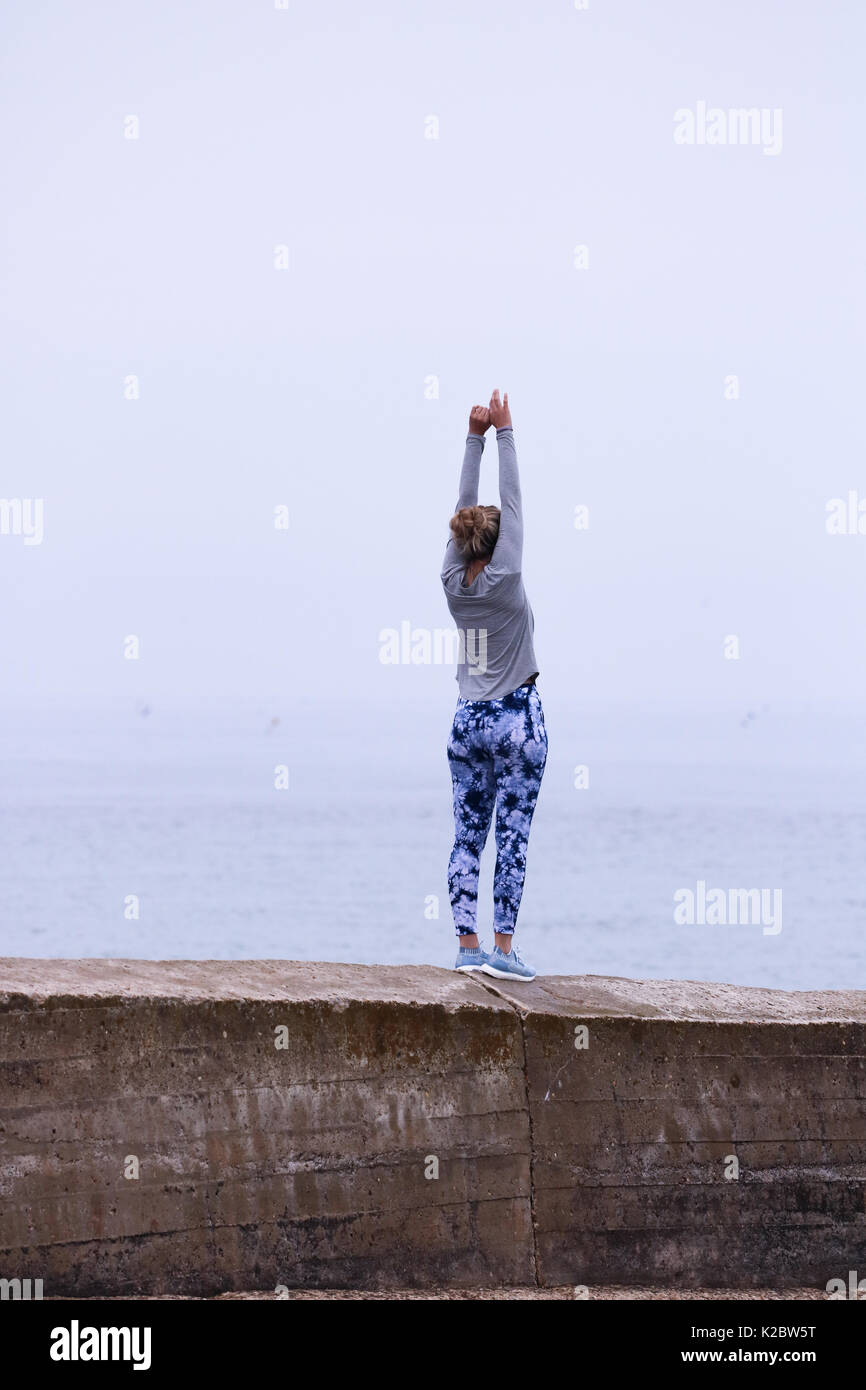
[{"x": 412, "y": 258}]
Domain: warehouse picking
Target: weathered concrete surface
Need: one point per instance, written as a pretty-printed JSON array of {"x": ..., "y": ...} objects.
[
  {"x": 632, "y": 1135},
  {"x": 501, "y": 1294},
  {"x": 304, "y": 1165},
  {"x": 610, "y": 1294}
]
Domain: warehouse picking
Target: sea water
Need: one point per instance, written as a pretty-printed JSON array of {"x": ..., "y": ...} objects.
[{"x": 320, "y": 830}]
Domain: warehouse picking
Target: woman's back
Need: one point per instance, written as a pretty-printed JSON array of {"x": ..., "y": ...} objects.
[{"x": 492, "y": 613}]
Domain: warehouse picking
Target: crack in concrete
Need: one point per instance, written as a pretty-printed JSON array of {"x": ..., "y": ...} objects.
[{"x": 521, "y": 1014}]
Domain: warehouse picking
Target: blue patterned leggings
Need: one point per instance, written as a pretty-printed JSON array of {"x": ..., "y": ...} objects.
[{"x": 497, "y": 751}]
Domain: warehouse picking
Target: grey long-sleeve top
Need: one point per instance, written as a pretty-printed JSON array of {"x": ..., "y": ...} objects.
[{"x": 492, "y": 614}]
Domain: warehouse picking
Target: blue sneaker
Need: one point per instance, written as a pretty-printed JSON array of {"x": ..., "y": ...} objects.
[
  {"x": 468, "y": 961},
  {"x": 507, "y": 967}
]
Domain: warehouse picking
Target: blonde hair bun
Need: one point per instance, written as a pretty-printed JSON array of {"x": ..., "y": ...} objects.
[{"x": 476, "y": 531}]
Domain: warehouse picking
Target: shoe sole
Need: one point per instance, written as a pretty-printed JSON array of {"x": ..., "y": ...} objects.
[
  {"x": 467, "y": 969},
  {"x": 506, "y": 974}
]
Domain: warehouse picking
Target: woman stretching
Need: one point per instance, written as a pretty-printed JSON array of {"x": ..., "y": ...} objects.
[{"x": 498, "y": 745}]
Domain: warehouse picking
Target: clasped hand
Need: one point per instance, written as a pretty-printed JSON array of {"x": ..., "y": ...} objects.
[{"x": 481, "y": 417}]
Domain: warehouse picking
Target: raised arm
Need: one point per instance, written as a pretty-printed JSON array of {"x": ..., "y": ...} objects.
[
  {"x": 469, "y": 473},
  {"x": 479, "y": 421},
  {"x": 508, "y": 555},
  {"x": 479, "y": 424}
]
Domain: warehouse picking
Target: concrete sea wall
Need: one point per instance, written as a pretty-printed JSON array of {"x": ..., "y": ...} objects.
[{"x": 197, "y": 1127}]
